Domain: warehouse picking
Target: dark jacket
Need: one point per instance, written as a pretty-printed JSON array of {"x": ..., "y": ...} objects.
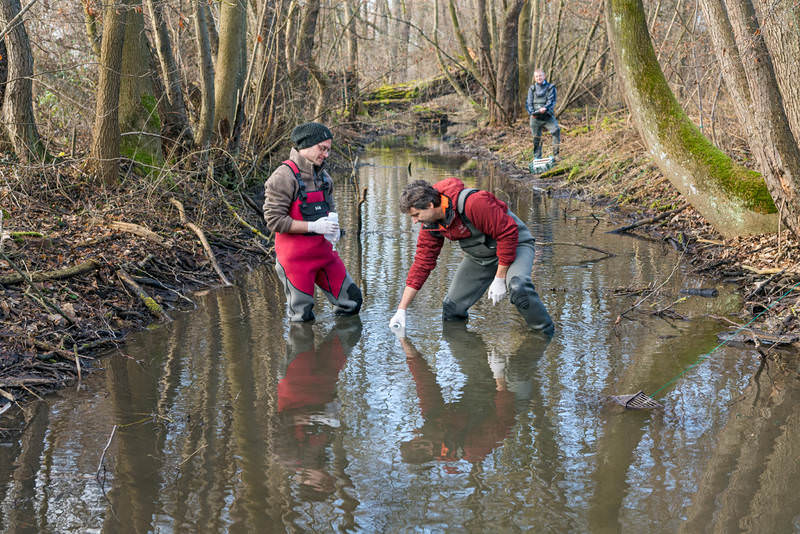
[
  {"x": 541, "y": 95},
  {"x": 486, "y": 212}
]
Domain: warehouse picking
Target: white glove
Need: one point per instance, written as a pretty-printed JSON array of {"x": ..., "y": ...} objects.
[
  {"x": 497, "y": 290},
  {"x": 323, "y": 226},
  {"x": 398, "y": 322},
  {"x": 497, "y": 364}
]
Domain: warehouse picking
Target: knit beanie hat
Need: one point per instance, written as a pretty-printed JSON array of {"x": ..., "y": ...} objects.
[{"x": 309, "y": 134}]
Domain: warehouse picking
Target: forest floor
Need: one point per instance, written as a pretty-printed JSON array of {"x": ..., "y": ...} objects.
[{"x": 81, "y": 266}]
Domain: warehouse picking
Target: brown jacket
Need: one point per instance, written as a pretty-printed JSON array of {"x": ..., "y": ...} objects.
[{"x": 281, "y": 190}]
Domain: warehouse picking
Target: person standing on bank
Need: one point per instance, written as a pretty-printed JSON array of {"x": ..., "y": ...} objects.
[
  {"x": 299, "y": 208},
  {"x": 541, "y": 105},
  {"x": 498, "y": 247}
]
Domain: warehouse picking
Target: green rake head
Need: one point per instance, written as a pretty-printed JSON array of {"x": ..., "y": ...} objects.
[{"x": 637, "y": 401}]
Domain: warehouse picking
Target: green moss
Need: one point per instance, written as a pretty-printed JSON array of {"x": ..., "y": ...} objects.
[
  {"x": 672, "y": 122},
  {"x": 150, "y": 104},
  {"x": 400, "y": 91}
]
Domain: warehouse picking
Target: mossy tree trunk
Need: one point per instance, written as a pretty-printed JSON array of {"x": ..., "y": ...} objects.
[
  {"x": 20, "y": 123},
  {"x": 139, "y": 121},
  {"x": 175, "y": 121},
  {"x": 733, "y": 199}
]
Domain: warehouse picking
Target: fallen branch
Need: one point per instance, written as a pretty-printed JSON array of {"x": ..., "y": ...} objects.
[
  {"x": 587, "y": 247},
  {"x": 243, "y": 222},
  {"x": 136, "y": 229},
  {"x": 206, "y": 247},
  {"x": 649, "y": 220},
  {"x": 66, "y": 354},
  {"x": 22, "y": 382},
  {"x": 44, "y": 276},
  {"x": 149, "y": 302}
]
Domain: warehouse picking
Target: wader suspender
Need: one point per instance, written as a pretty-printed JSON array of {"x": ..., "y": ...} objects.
[
  {"x": 478, "y": 244},
  {"x": 302, "y": 191}
]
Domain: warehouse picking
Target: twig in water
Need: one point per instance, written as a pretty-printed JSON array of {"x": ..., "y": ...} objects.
[{"x": 653, "y": 292}]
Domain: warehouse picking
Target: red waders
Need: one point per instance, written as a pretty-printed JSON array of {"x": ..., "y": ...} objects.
[{"x": 304, "y": 260}]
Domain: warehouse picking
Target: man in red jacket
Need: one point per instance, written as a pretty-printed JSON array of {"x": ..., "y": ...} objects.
[{"x": 498, "y": 251}]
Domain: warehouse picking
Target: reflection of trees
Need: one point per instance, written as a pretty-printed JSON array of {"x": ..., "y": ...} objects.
[
  {"x": 138, "y": 460},
  {"x": 22, "y": 515},
  {"x": 619, "y": 436},
  {"x": 750, "y": 481}
]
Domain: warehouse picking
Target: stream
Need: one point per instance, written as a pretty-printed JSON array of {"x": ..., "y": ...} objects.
[{"x": 229, "y": 419}]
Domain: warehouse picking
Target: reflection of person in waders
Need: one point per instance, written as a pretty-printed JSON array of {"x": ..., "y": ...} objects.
[
  {"x": 308, "y": 409},
  {"x": 299, "y": 208},
  {"x": 475, "y": 424},
  {"x": 541, "y": 105},
  {"x": 498, "y": 251}
]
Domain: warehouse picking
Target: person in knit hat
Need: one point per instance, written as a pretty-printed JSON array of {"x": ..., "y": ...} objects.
[{"x": 299, "y": 208}]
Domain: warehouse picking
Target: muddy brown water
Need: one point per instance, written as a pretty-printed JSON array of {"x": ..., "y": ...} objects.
[{"x": 231, "y": 420}]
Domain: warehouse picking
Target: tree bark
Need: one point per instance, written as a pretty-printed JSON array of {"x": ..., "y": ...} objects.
[
  {"x": 138, "y": 106},
  {"x": 205, "y": 124},
  {"x": 734, "y": 200},
  {"x": 176, "y": 122},
  {"x": 230, "y": 67},
  {"x": 780, "y": 162},
  {"x": 20, "y": 123},
  {"x": 105, "y": 133},
  {"x": 524, "y": 49},
  {"x": 779, "y": 24},
  {"x": 504, "y": 110},
  {"x": 485, "y": 47},
  {"x": 304, "y": 48}
]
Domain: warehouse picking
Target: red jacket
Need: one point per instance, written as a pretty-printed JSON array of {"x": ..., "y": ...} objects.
[{"x": 489, "y": 215}]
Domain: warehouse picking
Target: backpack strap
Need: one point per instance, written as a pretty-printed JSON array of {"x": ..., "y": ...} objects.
[
  {"x": 296, "y": 171},
  {"x": 461, "y": 202}
]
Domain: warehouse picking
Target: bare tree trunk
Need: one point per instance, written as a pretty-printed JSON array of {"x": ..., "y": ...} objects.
[
  {"x": 781, "y": 164},
  {"x": 536, "y": 18},
  {"x": 305, "y": 44},
  {"x": 505, "y": 109},
  {"x": 730, "y": 197},
  {"x": 18, "y": 102},
  {"x": 485, "y": 47},
  {"x": 230, "y": 67},
  {"x": 105, "y": 134},
  {"x": 779, "y": 22},
  {"x": 350, "y": 78},
  {"x": 524, "y": 48},
  {"x": 205, "y": 125},
  {"x": 176, "y": 122},
  {"x": 138, "y": 108}
]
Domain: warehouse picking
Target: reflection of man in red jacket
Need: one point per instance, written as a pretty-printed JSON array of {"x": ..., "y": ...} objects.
[
  {"x": 467, "y": 429},
  {"x": 498, "y": 251},
  {"x": 307, "y": 403}
]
